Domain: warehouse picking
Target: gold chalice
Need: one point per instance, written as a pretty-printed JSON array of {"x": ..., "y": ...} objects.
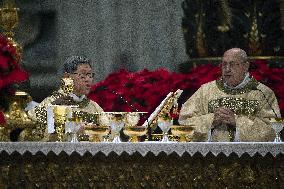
[
  {"x": 185, "y": 132},
  {"x": 134, "y": 132},
  {"x": 131, "y": 129},
  {"x": 103, "y": 121},
  {"x": 96, "y": 132},
  {"x": 60, "y": 118},
  {"x": 89, "y": 121},
  {"x": 61, "y": 114}
]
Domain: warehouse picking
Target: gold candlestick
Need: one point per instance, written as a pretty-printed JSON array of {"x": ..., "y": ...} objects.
[{"x": 9, "y": 19}]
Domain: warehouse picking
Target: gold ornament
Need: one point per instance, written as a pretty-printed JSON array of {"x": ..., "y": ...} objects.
[
  {"x": 16, "y": 116},
  {"x": 9, "y": 19}
]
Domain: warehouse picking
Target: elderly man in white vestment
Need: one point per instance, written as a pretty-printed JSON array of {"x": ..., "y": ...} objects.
[
  {"x": 235, "y": 107},
  {"x": 80, "y": 71}
]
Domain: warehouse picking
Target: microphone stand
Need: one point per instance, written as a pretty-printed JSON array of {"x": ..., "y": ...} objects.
[{"x": 256, "y": 89}]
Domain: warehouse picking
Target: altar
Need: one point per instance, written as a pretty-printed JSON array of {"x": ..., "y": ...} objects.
[{"x": 141, "y": 165}]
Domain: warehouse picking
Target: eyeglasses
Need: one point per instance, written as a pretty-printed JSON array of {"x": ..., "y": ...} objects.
[
  {"x": 85, "y": 75},
  {"x": 230, "y": 64}
]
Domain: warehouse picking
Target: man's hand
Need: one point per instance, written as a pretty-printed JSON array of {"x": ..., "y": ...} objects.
[{"x": 224, "y": 115}]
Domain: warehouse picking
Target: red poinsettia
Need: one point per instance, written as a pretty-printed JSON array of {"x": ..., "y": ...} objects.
[
  {"x": 144, "y": 90},
  {"x": 10, "y": 72},
  {"x": 272, "y": 77},
  {"x": 2, "y": 119}
]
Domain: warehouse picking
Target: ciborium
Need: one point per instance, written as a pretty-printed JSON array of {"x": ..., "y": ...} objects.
[
  {"x": 184, "y": 132},
  {"x": 131, "y": 128}
]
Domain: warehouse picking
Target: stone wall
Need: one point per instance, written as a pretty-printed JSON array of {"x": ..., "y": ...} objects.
[{"x": 131, "y": 34}]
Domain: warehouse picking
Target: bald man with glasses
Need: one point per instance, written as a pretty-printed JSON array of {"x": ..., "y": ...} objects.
[{"x": 235, "y": 107}]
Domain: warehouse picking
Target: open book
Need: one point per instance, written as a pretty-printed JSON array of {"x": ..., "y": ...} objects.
[{"x": 155, "y": 114}]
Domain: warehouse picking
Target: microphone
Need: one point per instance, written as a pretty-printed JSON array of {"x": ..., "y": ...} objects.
[
  {"x": 129, "y": 104},
  {"x": 256, "y": 89},
  {"x": 120, "y": 97},
  {"x": 123, "y": 99},
  {"x": 133, "y": 108}
]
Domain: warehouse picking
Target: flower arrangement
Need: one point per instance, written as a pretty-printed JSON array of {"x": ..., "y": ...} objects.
[
  {"x": 144, "y": 90},
  {"x": 10, "y": 73}
]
